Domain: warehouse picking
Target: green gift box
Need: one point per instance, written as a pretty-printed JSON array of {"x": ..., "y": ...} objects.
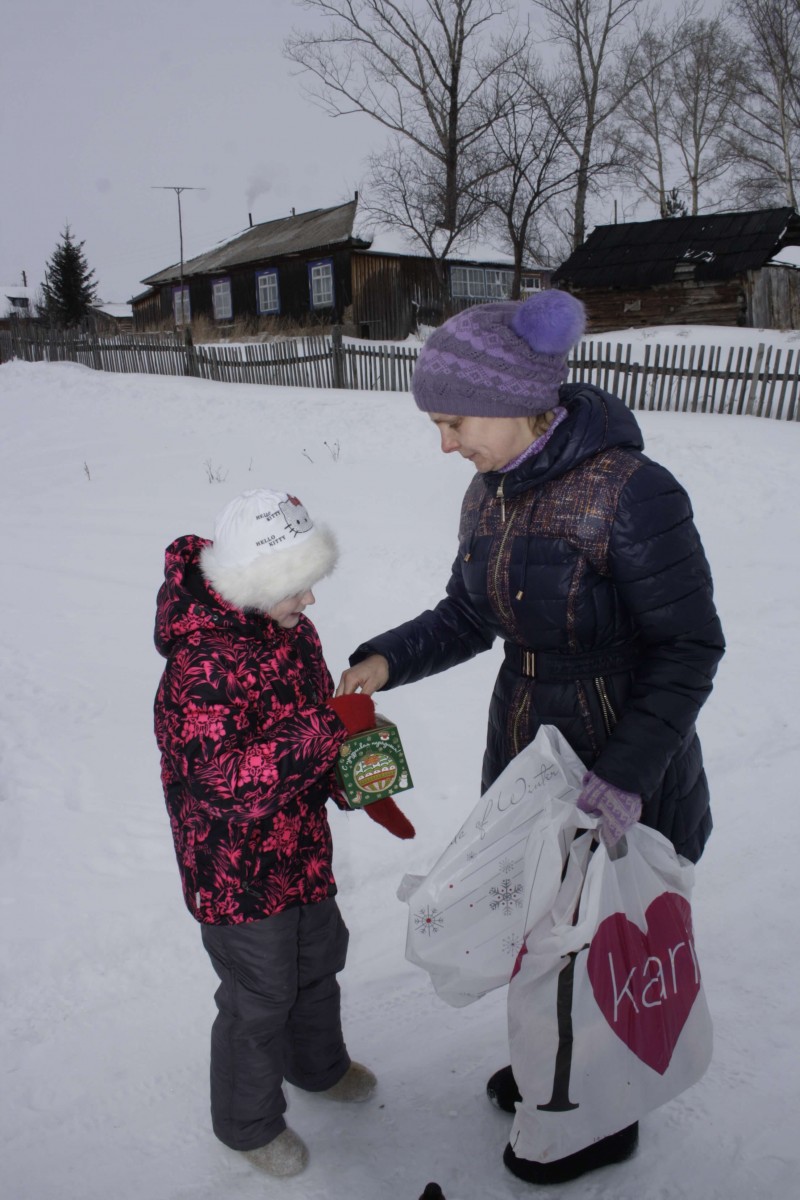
[{"x": 372, "y": 765}]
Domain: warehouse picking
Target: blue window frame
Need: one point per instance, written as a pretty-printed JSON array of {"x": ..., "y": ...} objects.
[
  {"x": 268, "y": 296},
  {"x": 320, "y": 283}
]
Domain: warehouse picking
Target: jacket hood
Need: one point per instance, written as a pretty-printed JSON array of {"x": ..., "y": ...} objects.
[
  {"x": 596, "y": 421},
  {"x": 187, "y": 605}
]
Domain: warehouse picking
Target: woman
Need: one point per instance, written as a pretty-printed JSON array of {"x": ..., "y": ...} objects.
[{"x": 582, "y": 555}]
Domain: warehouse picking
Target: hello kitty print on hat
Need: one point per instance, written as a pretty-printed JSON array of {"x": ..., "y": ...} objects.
[{"x": 265, "y": 548}]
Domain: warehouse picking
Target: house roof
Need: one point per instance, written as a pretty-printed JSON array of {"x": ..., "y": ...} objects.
[
  {"x": 646, "y": 253},
  {"x": 113, "y": 308},
  {"x": 400, "y": 244},
  {"x": 271, "y": 239},
  {"x": 16, "y": 300},
  {"x": 315, "y": 230}
]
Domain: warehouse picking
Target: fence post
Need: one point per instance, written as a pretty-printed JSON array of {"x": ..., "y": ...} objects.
[
  {"x": 755, "y": 381},
  {"x": 337, "y": 354},
  {"x": 192, "y": 367},
  {"x": 94, "y": 344}
]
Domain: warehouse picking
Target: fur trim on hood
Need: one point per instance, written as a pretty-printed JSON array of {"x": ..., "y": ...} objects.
[
  {"x": 266, "y": 548},
  {"x": 272, "y": 577}
]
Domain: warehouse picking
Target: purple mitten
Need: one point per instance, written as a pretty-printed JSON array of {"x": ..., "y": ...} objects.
[{"x": 617, "y": 810}]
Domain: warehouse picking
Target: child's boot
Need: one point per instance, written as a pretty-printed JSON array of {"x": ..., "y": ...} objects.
[
  {"x": 285, "y": 1155},
  {"x": 356, "y": 1085}
]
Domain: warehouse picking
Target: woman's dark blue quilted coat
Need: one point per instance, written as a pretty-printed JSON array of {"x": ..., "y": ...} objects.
[{"x": 587, "y": 555}]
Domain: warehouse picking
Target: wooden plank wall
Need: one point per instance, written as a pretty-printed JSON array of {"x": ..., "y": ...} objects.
[
  {"x": 774, "y": 298},
  {"x": 292, "y": 283},
  {"x": 685, "y": 303}
]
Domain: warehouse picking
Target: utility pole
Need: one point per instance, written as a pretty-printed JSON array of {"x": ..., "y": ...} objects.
[{"x": 177, "y": 191}]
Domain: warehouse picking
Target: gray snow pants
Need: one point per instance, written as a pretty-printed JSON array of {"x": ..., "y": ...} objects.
[{"x": 279, "y": 1017}]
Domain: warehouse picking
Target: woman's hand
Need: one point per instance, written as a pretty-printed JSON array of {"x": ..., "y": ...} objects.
[{"x": 368, "y": 676}]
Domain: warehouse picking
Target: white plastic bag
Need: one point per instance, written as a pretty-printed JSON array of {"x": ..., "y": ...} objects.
[
  {"x": 467, "y": 917},
  {"x": 606, "y": 1010}
]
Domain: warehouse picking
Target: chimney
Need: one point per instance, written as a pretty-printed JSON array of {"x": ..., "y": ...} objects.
[
  {"x": 356, "y": 197},
  {"x": 293, "y": 213},
  {"x": 250, "y": 215}
]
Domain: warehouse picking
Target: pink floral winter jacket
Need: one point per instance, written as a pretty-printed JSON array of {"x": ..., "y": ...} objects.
[{"x": 247, "y": 750}]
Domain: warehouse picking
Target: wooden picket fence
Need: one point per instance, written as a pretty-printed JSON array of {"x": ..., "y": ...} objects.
[{"x": 757, "y": 380}]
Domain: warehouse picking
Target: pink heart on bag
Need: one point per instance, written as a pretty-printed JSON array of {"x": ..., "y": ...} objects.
[{"x": 646, "y": 983}]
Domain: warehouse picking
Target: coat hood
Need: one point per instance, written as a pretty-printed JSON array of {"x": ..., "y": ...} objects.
[
  {"x": 187, "y": 605},
  {"x": 596, "y": 421}
]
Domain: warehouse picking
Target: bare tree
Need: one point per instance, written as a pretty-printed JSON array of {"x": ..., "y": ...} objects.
[
  {"x": 706, "y": 85},
  {"x": 766, "y": 139},
  {"x": 529, "y": 160},
  {"x": 642, "y": 122},
  {"x": 677, "y": 121},
  {"x": 407, "y": 193},
  {"x": 422, "y": 69},
  {"x": 599, "y": 40}
]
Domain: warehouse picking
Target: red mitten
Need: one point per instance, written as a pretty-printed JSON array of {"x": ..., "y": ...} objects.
[
  {"x": 387, "y": 814},
  {"x": 356, "y": 711}
]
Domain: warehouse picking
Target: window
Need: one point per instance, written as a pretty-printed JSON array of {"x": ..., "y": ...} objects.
[
  {"x": 489, "y": 283},
  {"x": 468, "y": 282},
  {"x": 498, "y": 284},
  {"x": 268, "y": 296},
  {"x": 320, "y": 278},
  {"x": 182, "y": 312},
  {"x": 221, "y": 299}
]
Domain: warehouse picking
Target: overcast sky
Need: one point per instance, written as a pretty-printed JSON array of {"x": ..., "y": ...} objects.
[{"x": 104, "y": 99}]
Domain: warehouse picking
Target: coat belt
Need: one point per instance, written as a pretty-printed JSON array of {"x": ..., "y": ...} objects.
[{"x": 548, "y": 667}]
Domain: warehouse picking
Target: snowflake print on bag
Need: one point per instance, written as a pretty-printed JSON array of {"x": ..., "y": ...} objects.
[
  {"x": 507, "y": 896},
  {"x": 247, "y": 745},
  {"x": 428, "y": 921},
  {"x": 511, "y": 944}
]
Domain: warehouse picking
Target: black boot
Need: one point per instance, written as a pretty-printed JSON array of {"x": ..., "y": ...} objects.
[
  {"x": 612, "y": 1149},
  {"x": 502, "y": 1090}
]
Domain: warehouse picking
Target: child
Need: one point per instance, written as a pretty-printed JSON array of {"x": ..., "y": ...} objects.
[{"x": 249, "y": 735}]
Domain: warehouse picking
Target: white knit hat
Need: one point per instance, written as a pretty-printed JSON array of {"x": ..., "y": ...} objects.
[{"x": 265, "y": 548}]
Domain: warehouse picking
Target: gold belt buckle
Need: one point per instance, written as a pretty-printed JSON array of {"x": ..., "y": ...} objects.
[{"x": 529, "y": 664}]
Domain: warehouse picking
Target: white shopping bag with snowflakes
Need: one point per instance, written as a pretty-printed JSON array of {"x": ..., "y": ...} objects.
[
  {"x": 467, "y": 917},
  {"x": 607, "y": 1016}
]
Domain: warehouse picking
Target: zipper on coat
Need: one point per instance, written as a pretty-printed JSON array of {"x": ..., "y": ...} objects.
[
  {"x": 609, "y": 716},
  {"x": 502, "y": 499},
  {"x": 505, "y": 613}
]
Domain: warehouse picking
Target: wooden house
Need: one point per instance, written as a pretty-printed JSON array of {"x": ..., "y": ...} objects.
[
  {"x": 17, "y": 302},
  {"x": 109, "y": 318},
  {"x": 313, "y": 269},
  {"x": 715, "y": 269}
]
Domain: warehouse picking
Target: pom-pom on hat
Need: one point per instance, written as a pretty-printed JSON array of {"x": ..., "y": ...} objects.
[
  {"x": 265, "y": 548},
  {"x": 500, "y": 360}
]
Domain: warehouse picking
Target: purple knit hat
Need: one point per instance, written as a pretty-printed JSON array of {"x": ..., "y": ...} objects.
[{"x": 500, "y": 360}]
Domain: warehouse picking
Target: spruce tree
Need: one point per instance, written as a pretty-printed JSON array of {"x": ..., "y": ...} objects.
[{"x": 69, "y": 290}]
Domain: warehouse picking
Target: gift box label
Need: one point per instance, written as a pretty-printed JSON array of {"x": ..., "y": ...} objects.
[{"x": 372, "y": 765}]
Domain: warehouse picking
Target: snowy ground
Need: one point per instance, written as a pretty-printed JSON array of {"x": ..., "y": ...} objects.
[{"x": 107, "y": 996}]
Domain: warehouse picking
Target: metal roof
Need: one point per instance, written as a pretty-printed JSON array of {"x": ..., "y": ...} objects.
[
  {"x": 271, "y": 239},
  {"x": 704, "y": 248}
]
